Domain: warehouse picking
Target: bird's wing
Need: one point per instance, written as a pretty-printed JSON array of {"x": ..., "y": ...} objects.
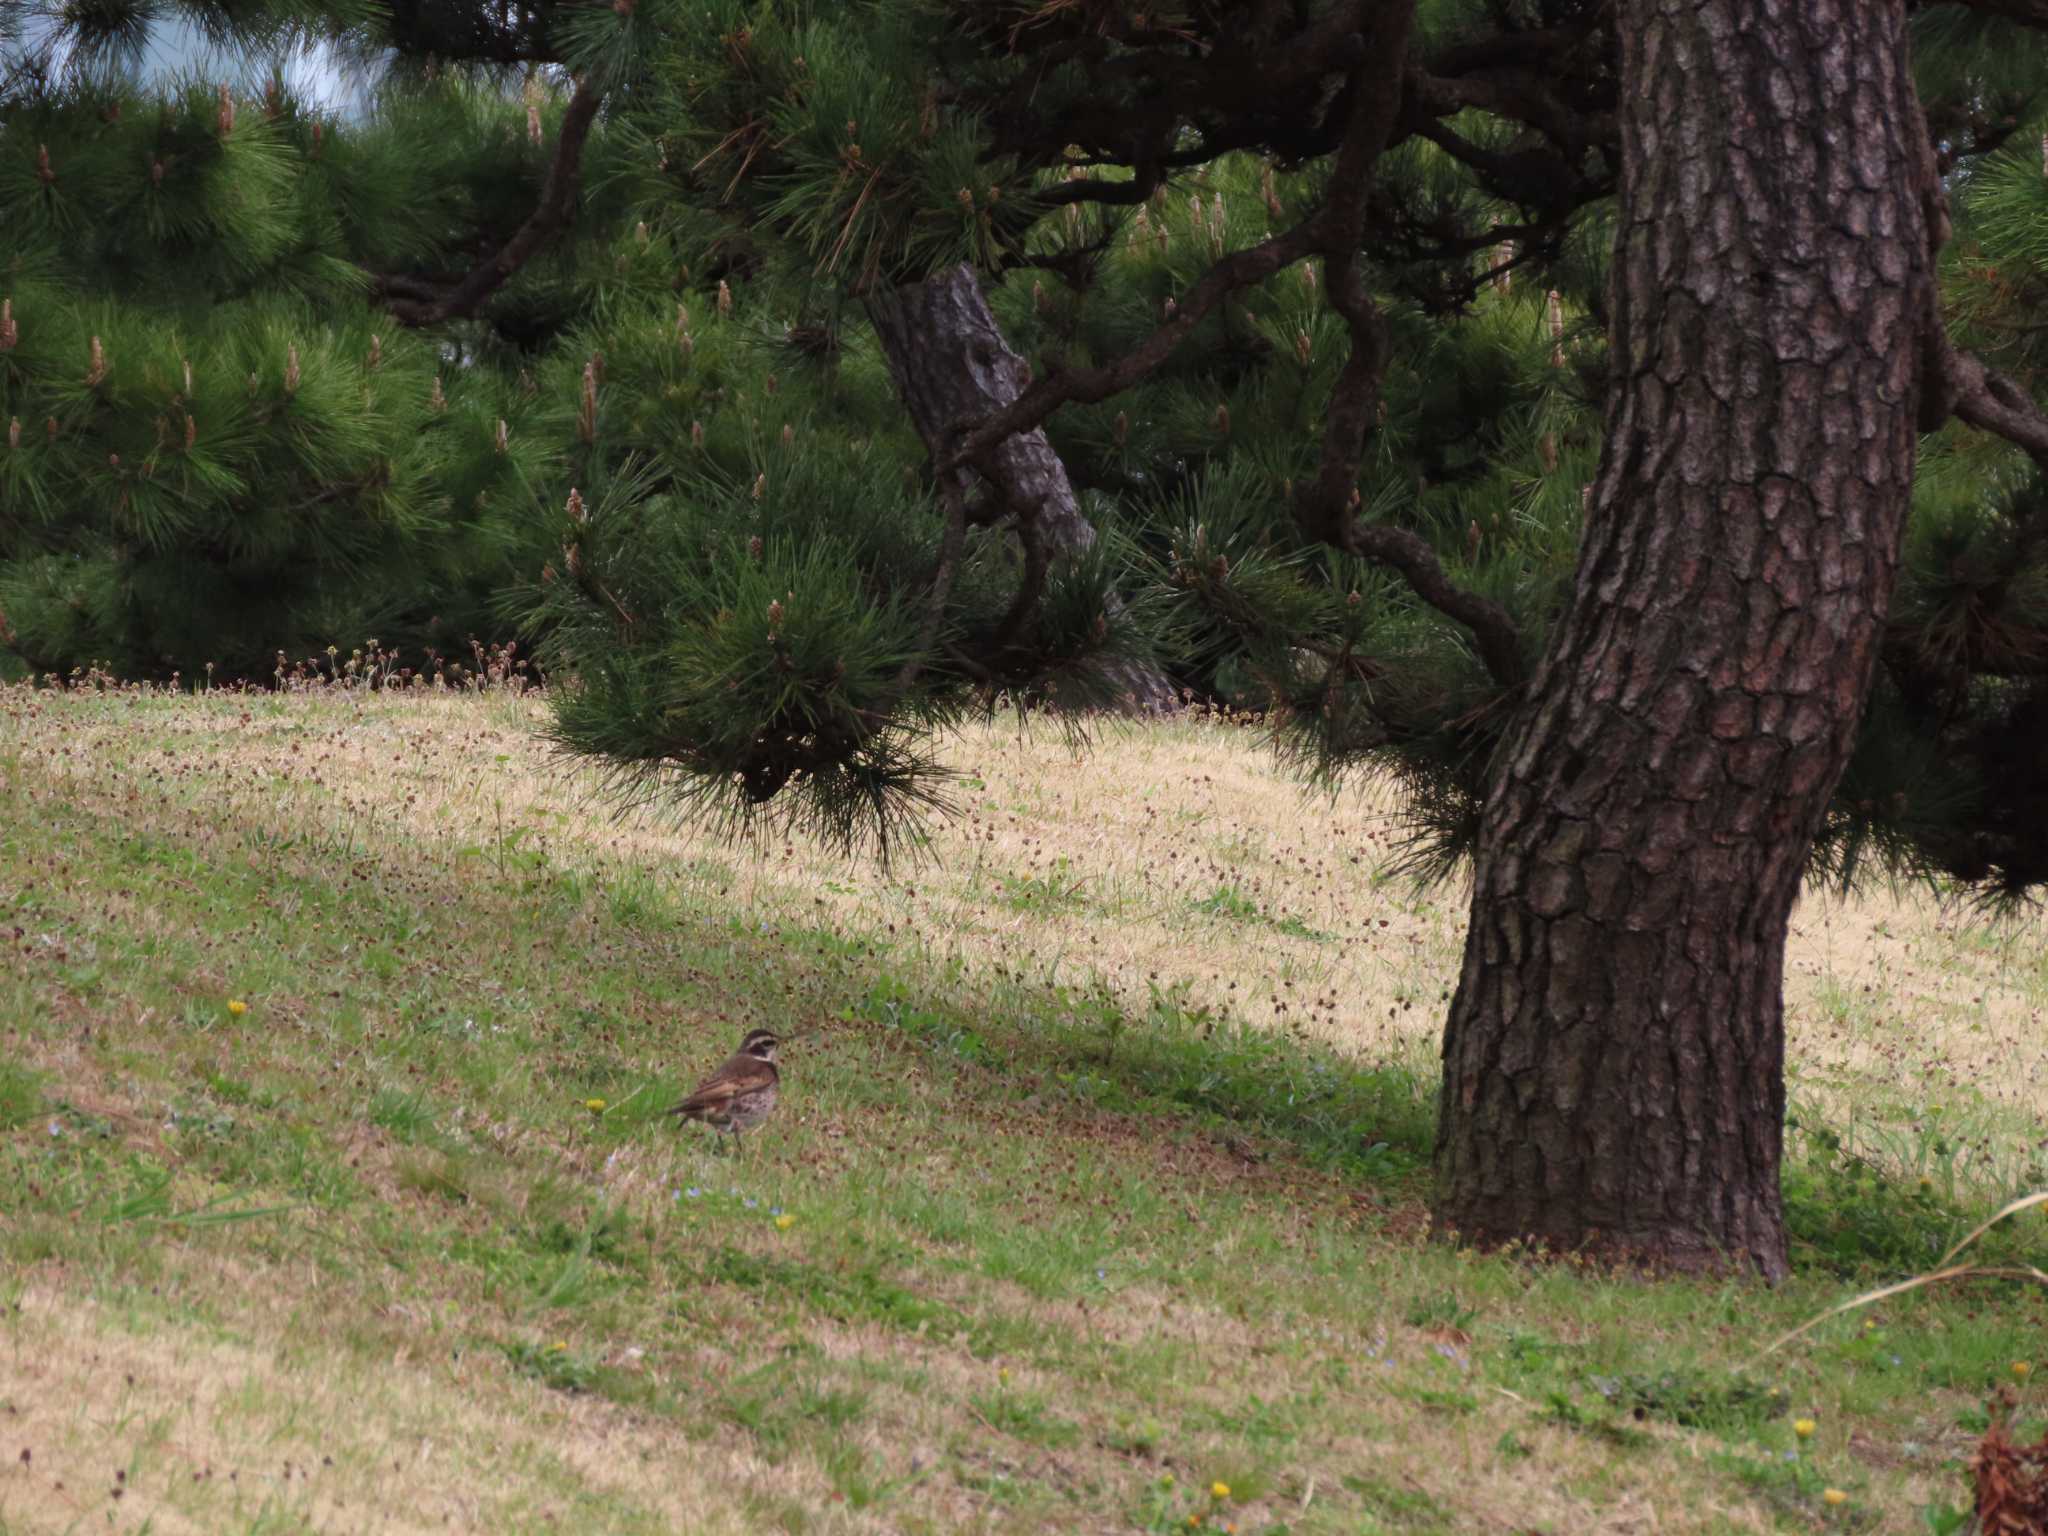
[{"x": 741, "y": 1075}]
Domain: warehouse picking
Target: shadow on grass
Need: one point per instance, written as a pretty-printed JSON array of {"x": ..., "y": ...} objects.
[{"x": 1175, "y": 1059}]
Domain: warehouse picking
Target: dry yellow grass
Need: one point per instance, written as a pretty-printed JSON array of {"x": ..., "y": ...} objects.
[
  {"x": 267, "y": 1424},
  {"x": 141, "y": 1423},
  {"x": 1078, "y": 865}
]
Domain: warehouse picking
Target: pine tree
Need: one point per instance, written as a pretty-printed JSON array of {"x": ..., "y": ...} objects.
[
  {"x": 748, "y": 316},
  {"x": 217, "y": 452},
  {"x": 1486, "y": 430}
]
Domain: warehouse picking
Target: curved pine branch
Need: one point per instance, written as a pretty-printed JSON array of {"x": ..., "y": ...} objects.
[{"x": 416, "y": 302}]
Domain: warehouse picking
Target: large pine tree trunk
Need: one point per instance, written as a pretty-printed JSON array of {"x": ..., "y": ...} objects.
[
  {"x": 1613, "y": 1063},
  {"x": 952, "y": 364}
]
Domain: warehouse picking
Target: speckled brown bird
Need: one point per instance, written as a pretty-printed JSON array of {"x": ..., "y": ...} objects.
[{"x": 742, "y": 1092}]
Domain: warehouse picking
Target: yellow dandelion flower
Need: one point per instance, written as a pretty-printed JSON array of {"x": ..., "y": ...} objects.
[
  {"x": 1219, "y": 1490},
  {"x": 595, "y": 1106},
  {"x": 1003, "y": 1375},
  {"x": 1804, "y": 1428},
  {"x": 785, "y": 1221},
  {"x": 559, "y": 1347},
  {"x": 237, "y": 1007},
  {"x": 1833, "y": 1496},
  {"x": 2022, "y": 1369}
]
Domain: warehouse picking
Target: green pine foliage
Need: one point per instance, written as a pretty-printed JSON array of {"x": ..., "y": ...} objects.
[
  {"x": 216, "y": 448},
  {"x": 668, "y": 451},
  {"x": 1950, "y": 776}
]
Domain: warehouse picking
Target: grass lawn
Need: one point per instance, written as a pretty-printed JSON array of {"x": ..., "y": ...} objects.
[{"x": 334, "y": 1193}]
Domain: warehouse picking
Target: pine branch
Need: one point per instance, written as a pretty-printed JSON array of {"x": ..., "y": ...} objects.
[
  {"x": 1449, "y": 287},
  {"x": 1325, "y": 511},
  {"x": 1986, "y": 398},
  {"x": 1519, "y": 97},
  {"x": 415, "y": 302},
  {"x": 1121, "y": 193},
  {"x": 1089, "y": 386},
  {"x": 1354, "y": 401},
  {"x": 1996, "y": 403},
  {"x": 1527, "y": 49},
  {"x": 1530, "y": 178},
  {"x": 2030, "y": 13},
  {"x": 1961, "y": 134},
  {"x": 1334, "y": 231},
  {"x": 1151, "y": 84},
  {"x": 1030, "y": 586}
]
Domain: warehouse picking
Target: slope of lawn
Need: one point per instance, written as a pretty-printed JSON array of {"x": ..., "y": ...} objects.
[{"x": 334, "y": 1194}]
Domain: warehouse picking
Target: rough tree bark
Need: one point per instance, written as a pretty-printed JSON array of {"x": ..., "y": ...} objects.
[
  {"x": 953, "y": 367},
  {"x": 1613, "y": 1061}
]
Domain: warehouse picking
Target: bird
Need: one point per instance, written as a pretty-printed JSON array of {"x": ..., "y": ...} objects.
[{"x": 742, "y": 1092}]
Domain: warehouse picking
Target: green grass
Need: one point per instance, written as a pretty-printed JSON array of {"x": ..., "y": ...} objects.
[
  {"x": 1228, "y": 902},
  {"x": 1028, "y": 1248}
]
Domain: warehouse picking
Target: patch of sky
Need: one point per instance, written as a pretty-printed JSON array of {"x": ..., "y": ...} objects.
[{"x": 166, "y": 48}]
